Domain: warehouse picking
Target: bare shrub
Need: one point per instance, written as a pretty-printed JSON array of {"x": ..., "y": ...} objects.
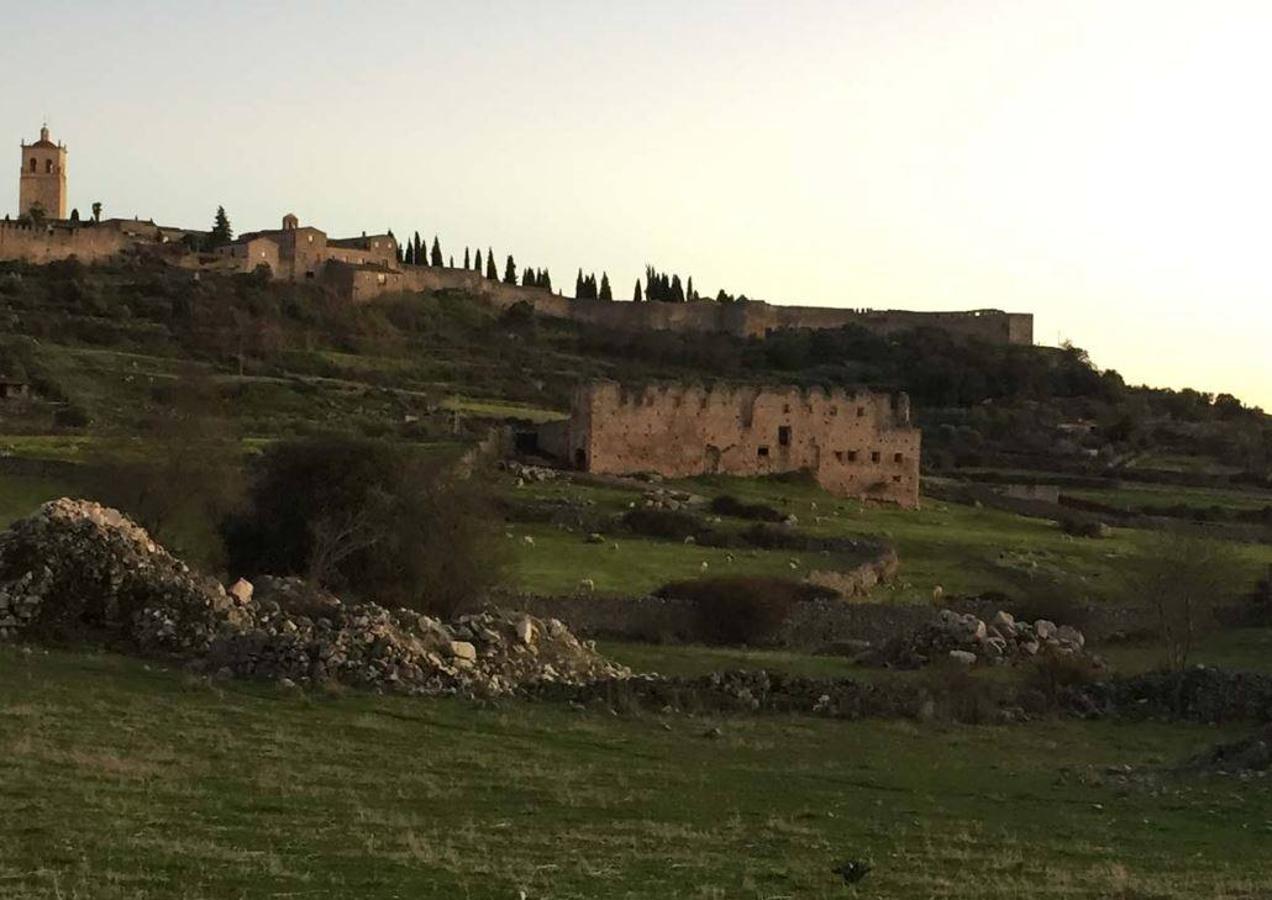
[
  {"x": 368, "y": 519},
  {"x": 183, "y": 476},
  {"x": 1052, "y": 674},
  {"x": 1184, "y": 580}
]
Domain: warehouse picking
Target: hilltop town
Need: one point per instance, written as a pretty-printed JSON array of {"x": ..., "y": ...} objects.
[{"x": 363, "y": 268}]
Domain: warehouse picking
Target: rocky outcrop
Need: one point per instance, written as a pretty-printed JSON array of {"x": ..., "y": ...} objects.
[{"x": 77, "y": 571}]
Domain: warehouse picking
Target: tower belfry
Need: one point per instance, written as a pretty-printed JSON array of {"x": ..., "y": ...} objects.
[{"x": 42, "y": 183}]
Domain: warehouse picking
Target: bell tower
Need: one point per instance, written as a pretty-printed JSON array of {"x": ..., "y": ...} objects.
[{"x": 43, "y": 179}]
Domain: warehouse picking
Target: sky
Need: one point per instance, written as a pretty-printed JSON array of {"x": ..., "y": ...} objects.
[{"x": 1104, "y": 164}]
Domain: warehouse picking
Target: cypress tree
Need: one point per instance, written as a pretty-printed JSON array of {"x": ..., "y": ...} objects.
[
  {"x": 417, "y": 252},
  {"x": 677, "y": 292},
  {"x": 606, "y": 293},
  {"x": 636, "y": 297},
  {"x": 477, "y": 262},
  {"x": 546, "y": 281},
  {"x": 467, "y": 261},
  {"x": 510, "y": 271},
  {"x": 527, "y": 278},
  {"x": 221, "y": 232},
  {"x": 579, "y": 289},
  {"x": 437, "y": 252},
  {"x": 491, "y": 271},
  {"x": 75, "y": 216},
  {"x": 451, "y": 262}
]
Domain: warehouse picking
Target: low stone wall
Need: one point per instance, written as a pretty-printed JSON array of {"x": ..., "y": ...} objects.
[{"x": 814, "y": 626}]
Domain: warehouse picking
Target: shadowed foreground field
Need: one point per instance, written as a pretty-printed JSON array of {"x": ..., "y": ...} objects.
[{"x": 119, "y": 780}]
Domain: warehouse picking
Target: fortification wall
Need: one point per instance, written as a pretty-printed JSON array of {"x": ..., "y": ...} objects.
[
  {"x": 757, "y": 318},
  {"x": 855, "y": 444},
  {"x": 48, "y": 243}
]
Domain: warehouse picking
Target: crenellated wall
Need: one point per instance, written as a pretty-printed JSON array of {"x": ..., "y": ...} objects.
[{"x": 856, "y": 444}]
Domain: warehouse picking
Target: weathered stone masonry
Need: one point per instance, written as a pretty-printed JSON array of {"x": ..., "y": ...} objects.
[{"x": 856, "y": 444}]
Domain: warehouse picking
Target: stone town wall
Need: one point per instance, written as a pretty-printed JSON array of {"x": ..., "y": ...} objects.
[
  {"x": 856, "y": 444},
  {"x": 754, "y": 318},
  {"x": 49, "y": 243}
]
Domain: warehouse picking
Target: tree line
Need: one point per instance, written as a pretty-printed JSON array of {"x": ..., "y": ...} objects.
[{"x": 417, "y": 252}]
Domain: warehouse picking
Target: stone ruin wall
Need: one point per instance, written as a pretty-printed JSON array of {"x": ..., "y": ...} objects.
[
  {"x": 856, "y": 444},
  {"x": 50, "y": 243}
]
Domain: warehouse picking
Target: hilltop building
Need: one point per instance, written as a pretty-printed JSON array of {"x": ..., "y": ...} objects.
[
  {"x": 856, "y": 444},
  {"x": 295, "y": 252},
  {"x": 42, "y": 181}
]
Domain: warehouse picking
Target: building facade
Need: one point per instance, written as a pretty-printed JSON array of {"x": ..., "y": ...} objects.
[
  {"x": 856, "y": 444},
  {"x": 42, "y": 183}
]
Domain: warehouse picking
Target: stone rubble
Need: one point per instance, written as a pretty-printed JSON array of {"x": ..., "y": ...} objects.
[
  {"x": 78, "y": 571},
  {"x": 964, "y": 639}
]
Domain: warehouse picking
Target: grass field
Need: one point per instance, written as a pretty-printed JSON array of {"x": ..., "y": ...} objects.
[
  {"x": 120, "y": 780},
  {"x": 962, "y": 548}
]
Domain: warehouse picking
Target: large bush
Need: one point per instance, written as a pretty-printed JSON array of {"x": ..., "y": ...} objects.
[
  {"x": 741, "y": 610},
  {"x": 368, "y": 519}
]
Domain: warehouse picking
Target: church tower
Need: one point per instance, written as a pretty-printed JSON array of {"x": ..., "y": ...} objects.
[{"x": 43, "y": 181}]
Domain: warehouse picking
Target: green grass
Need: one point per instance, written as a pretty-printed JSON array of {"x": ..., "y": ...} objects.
[
  {"x": 964, "y": 549},
  {"x": 125, "y": 781},
  {"x": 20, "y": 495},
  {"x": 493, "y": 409},
  {"x": 1137, "y": 497}
]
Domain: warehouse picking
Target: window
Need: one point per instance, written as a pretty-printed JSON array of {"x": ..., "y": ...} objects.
[
  {"x": 852, "y": 456},
  {"x": 761, "y": 451},
  {"x": 784, "y": 435},
  {"x": 875, "y": 456},
  {"x": 48, "y": 166},
  {"x": 861, "y": 412},
  {"x": 786, "y": 407},
  {"x": 897, "y": 457},
  {"x": 896, "y": 478},
  {"x": 33, "y": 164},
  {"x": 839, "y": 456}
]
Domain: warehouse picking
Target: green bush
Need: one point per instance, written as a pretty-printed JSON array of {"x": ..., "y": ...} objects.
[
  {"x": 740, "y": 610},
  {"x": 726, "y": 505},
  {"x": 670, "y": 524}
]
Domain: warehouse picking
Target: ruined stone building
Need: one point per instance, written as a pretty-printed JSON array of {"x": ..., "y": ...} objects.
[
  {"x": 42, "y": 181},
  {"x": 855, "y": 443}
]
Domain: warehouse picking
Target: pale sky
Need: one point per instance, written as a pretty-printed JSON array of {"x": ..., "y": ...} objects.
[{"x": 1104, "y": 164}]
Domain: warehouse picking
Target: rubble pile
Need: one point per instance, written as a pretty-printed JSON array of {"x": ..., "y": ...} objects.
[
  {"x": 76, "y": 570},
  {"x": 667, "y": 498},
  {"x": 964, "y": 639},
  {"x": 79, "y": 571}
]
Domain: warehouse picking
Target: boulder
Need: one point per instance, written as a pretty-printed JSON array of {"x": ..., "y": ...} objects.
[
  {"x": 241, "y": 591},
  {"x": 1045, "y": 630},
  {"x": 963, "y": 657}
]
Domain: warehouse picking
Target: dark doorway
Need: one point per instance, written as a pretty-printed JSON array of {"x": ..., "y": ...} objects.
[{"x": 580, "y": 459}]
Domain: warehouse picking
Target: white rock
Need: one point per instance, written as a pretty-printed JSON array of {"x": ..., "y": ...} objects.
[
  {"x": 963, "y": 657},
  {"x": 463, "y": 650}
]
